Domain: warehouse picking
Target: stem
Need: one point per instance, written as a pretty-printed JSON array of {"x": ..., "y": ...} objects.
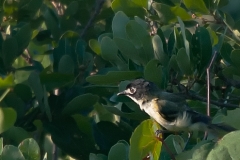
[
  {"x": 167, "y": 148},
  {"x": 4, "y": 94}
]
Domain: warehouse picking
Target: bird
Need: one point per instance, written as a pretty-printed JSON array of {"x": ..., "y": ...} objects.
[{"x": 170, "y": 110}]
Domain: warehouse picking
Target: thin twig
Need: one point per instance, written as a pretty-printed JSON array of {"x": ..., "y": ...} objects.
[
  {"x": 219, "y": 104},
  {"x": 208, "y": 83},
  {"x": 4, "y": 94},
  {"x": 208, "y": 88},
  {"x": 167, "y": 148},
  {"x": 99, "y": 4},
  {"x": 27, "y": 57}
]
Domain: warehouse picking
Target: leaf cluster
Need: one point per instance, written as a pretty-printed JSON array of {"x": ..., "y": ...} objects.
[{"x": 62, "y": 63}]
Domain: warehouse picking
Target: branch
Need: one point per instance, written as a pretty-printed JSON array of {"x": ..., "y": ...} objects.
[
  {"x": 208, "y": 82},
  {"x": 200, "y": 98},
  {"x": 167, "y": 148},
  {"x": 27, "y": 57},
  {"x": 99, "y": 4}
]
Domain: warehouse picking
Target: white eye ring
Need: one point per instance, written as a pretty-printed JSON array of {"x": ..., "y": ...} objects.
[{"x": 132, "y": 90}]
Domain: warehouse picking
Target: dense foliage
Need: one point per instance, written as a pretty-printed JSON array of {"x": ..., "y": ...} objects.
[{"x": 63, "y": 61}]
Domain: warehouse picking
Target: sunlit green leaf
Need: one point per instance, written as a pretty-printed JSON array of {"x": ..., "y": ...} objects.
[
  {"x": 6, "y": 82},
  {"x": 8, "y": 117},
  {"x": 168, "y": 14},
  {"x": 196, "y": 6},
  {"x": 11, "y": 152},
  {"x": 128, "y": 7},
  {"x": 95, "y": 46},
  {"x": 30, "y": 149},
  {"x": 144, "y": 142}
]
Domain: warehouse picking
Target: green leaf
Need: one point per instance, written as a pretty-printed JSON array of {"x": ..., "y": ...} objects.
[
  {"x": 222, "y": 3},
  {"x": 185, "y": 41},
  {"x": 133, "y": 115},
  {"x": 119, "y": 24},
  {"x": 46, "y": 105},
  {"x": 128, "y": 49},
  {"x": 113, "y": 77},
  {"x": 80, "y": 103},
  {"x": 235, "y": 58},
  {"x": 83, "y": 123},
  {"x": 142, "y": 22},
  {"x": 35, "y": 84},
  {"x": 52, "y": 23},
  {"x": 23, "y": 37},
  {"x": 230, "y": 71},
  {"x": 93, "y": 156},
  {"x": 173, "y": 63},
  {"x": 70, "y": 35},
  {"x": 168, "y": 14},
  {"x": 95, "y": 46},
  {"x": 16, "y": 134},
  {"x": 226, "y": 50},
  {"x": 141, "y": 39},
  {"x": 1, "y": 145},
  {"x": 175, "y": 143},
  {"x": 66, "y": 65},
  {"x": 159, "y": 50},
  {"x": 11, "y": 152},
  {"x": 8, "y": 117},
  {"x": 231, "y": 118},
  {"x": 183, "y": 62},
  {"x": 142, "y": 3},
  {"x": 109, "y": 52},
  {"x": 164, "y": 43},
  {"x": 119, "y": 151},
  {"x": 30, "y": 149},
  {"x": 23, "y": 91},
  {"x": 204, "y": 46},
  {"x": 227, "y": 148},
  {"x": 71, "y": 9},
  {"x": 213, "y": 35},
  {"x": 56, "y": 80},
  {"x": 7, "y": 82},
  {"x": 109, "y": 49},
  {"x": 178, "y": 39},
  {"x": 144, "y": 142},
  {"x": 128, "y": 7},
  {"x": 13, "y": 101},
  {"x": 153, "y": 72},
  {"x": 29, "y": 9},
  {"x": 196, "y": 6},
  {"x": 9, "y": 51}
]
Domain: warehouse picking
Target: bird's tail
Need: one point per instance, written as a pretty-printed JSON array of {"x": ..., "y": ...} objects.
[
  {"x": 222, "y": 127},
  {"x": 219, "y": 130}
]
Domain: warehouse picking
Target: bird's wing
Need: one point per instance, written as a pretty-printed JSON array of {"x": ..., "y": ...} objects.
[
  {"x": 167, "y": 109},
  {"x": 180, "y": 100},
  {"x": 199, "y": 117}
]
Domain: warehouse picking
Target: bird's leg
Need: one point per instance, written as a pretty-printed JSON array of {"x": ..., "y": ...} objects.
[
  {"x": 189, "y": 136},
  {"x": 161, "y": 131}
]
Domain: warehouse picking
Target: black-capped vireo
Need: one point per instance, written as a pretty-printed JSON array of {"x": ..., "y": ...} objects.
[{"x": 169, "y": 110}]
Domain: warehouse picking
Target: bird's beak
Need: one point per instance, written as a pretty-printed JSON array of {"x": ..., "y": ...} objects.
[{"x": 121, "y": 93}]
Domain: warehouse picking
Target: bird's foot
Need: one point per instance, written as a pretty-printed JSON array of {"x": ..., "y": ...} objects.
[{"x": 158, "y": 132}]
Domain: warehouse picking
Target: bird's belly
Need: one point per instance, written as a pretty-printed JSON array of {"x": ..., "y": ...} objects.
[{"x": 181, "y": 123}]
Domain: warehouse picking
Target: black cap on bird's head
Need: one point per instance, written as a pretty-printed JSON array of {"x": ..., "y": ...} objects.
[{"x": 138, "y": 88}]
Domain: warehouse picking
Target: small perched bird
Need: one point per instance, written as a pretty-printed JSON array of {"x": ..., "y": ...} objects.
[{"x": 169, "y": 110}]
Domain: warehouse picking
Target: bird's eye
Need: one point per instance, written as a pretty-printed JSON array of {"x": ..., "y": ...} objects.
[{"x": 132, "y": 90}]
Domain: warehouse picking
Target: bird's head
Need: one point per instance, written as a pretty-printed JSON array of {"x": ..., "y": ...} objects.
[{"x": 139, "y": 89}]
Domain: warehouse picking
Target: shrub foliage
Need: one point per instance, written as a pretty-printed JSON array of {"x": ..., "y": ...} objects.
[{"x": 62, "y": 63}]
